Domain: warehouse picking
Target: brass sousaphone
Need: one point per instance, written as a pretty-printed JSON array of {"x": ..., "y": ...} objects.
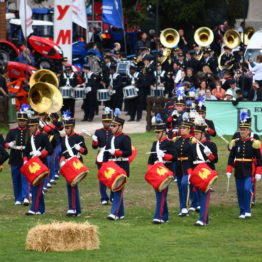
[
  {"x": 44, "y": 95},
  {"x": 169, "y": 38},
  {"x": 203, "y": 36}
]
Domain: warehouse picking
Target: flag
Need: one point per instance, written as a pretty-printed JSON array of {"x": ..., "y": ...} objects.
[
  {"x": 25, "y": 13},
  {"x": 79, "y": 13},
  {"x": 112, "y": 13}
]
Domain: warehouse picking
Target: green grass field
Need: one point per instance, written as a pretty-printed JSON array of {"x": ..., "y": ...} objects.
[{"x": 226, "y": 238}]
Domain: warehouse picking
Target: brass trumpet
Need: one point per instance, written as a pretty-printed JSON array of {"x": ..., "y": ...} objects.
[{"x": 44, "y": 95}]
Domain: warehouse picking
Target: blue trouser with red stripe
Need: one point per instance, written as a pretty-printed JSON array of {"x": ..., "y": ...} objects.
[
  {"x": 194, "y": 196},
  {"x": 161, "y": 205},
  {"x": 244, "y": 190},
  {"x": 117, "y": 208},
  {"x": 182, "y": 183},
  {"x": 204, "y": 199},
  {"x": 20, "y": 184},
  {"x": 38, "y": 201},
  {"x": 73, "y": 198},
  {"x": 58, "y": 152}
]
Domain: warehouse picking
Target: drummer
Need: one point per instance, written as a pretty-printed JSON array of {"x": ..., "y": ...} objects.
[
  {"x": 37, "y": 146},
  {"x": 118, "y": 150},
  {"x": 100, "y": 139},
  {"x": 206, "y": 152},
  {"x": 73, "y": 145},
  {"x": 69, "y": 79},
  {"x": 162, "y": 151}
]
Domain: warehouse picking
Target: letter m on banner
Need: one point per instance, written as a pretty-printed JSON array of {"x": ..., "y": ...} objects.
[{"x": 63, "y": 26}]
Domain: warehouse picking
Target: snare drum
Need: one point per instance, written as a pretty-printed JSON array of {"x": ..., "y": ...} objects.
[
  {"x": 103, "y": 95},
  {"x": 157, "y": 91},
  {"x": 203, "y": 177},
  {"x": 112, "y": 175},
  {"x": 129, "y": 92},
  {"x": 159, "y": 176},
  {"x": 34, "y": 170},
  {"x": 73, "y": 171},
  {"x": 79, "y": 93},
  {"x": 66, "y": 91}
]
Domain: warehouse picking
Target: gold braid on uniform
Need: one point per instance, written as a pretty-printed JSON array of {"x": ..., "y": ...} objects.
[
  {"x": 232, "y": 143},
  {"x": 256, "y": 144},
  {"x": 175, "y": 138},
  {"x": 193, "y": 140}
]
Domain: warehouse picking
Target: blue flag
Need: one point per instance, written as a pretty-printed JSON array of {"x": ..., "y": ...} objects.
[{"x": 112, "y": 13}]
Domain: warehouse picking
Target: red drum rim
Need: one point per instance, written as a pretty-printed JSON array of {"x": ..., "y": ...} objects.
[
  {"x": 210, "y": 183},
  {"x": 38, "y": 179},
  {"x": 119, "y": 183},
  {"x": 165, "y": 183},
  {"x": 78, "y": 178}
]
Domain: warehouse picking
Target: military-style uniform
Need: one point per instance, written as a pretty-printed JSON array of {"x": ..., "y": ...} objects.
[
  {"x": 167, "y": 147},
  {"x": 121, "y": 144},
  {"x": 38, "y": 142},
  {"x": 183, "y": 166},
  {"x": 90, "y": 101},
  {"x": 102, "y": 136},
  {"x": 208, "y": 155},
  {"x": 3, "y": 156},
  {"x": 245, "y": 157},
  {"x": 16, "y": 140},
  {"x": 68, "y": 151}
]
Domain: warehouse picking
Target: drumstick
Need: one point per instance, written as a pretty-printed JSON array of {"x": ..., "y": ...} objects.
[
  {"x": 107, "y": 150},
  {"x": 228, "y": 181},
  {"x": 148, "y": 153},
  {"x": 73, "y": 147}
]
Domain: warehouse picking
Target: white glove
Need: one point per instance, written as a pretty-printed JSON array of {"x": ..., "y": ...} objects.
[
  {"x": 160, "y": 153},
  {"x": 62, "y": 163},
  {"x": 12, "y": 144},
  {"x": 257, "y": 177},
  {"x": 25, "y": 162},
  {"x": 112, "y": 151},
  {"x": 37, "y": 153},
  {"x": 228, "y": 175},
  {"x": 94, "y": 138},
  {"x": 41, "y": 124},
  {"x": 77, "y": 147},
  {"x": 207, "y": 151}
]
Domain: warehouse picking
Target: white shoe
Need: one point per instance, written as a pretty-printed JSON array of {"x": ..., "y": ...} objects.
[
  {"x": 183, "y": 212},
  {"x": 71, "y": 213},
  {"x": 18, "y": 203},
  {"x": 26, "y": 202},
  {"x": 48, "y": 185},
  {"x": 56, "y": 176},
  {"x": 39, "y": 213},
  {"x": 104, "y": 203},
  {"x": 247, "y": 215},
  {"x": 112, "y": 217},
  {"x": 157, "y": 221},
  {"x": 242, "y": 217},
  {"x": 122, "y": 217},
  {"x": 199, "y": 223},
  {"x": 30, "y": 213},
  {"x": 191, "y": 209}
]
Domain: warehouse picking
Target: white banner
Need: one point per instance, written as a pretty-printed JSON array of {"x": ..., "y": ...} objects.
[
  {"x": 79, "y": 13},
  {"x": 25, "y": 13},
  {"x": 63, "y": 26}
]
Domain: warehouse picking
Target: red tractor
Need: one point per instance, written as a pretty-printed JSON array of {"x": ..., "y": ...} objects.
[{"x": 47, "y": 54}]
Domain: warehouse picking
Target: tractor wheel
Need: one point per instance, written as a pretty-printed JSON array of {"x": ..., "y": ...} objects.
[
  {"x": 45, "y": 63},
  {"x": 7, "y": 53}
]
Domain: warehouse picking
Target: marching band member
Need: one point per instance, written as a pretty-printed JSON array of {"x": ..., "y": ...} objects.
[
  {"x": 72, "y": 145},
  {"x": 100, "y": 139},
  {"x": 245, "y": 157},
  {"x": 206, "y": 152},
  {"x": 135, "y": 104},
  {"x": 68, "y": 78},
  {"x": 163, "y": 151},
  {"x": 115, "y": 86},
  {"x": 90, "y": 101},
  {"x": 16, "y": 140},
  {"x": 118, "y": 150},
  {"x": 3, "y": 157},
  {"x": 208, "y": 60},
  {"x": 183, "y": 163},
  {"x": 38, "y": 145}
]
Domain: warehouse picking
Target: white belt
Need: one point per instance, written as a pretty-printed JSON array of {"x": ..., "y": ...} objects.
[
  {"x": 164, "y": 162},
  {"x": 119, "y": 159},
  {"x": 200, "y": 162}
]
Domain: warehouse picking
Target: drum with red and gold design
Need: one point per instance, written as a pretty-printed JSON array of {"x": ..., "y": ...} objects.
[
  {"x": 203, "y": 176},
  {"x": 74, "y": 171},
  {"x": 112, "y": 175},
  {"x": 34, "y": 170},
  {"x": 159, "y": 176}
]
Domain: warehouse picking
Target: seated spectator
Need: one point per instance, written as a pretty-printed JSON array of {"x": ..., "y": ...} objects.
[
  {"x": 255, "y": 92},
  {"x": 189, "y": 75},
  {"x": 208, "y": 95},
  {"x": 229, "y": 96},
  {"x": 218, "y": 91},
  {"x": 233, "y": 87},
  {"x": 201, "y": 90},
  {"x": 25, "y": 57}
]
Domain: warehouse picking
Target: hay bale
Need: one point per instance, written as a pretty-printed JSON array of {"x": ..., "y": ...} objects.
[{"x": 65, "y": 236}]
